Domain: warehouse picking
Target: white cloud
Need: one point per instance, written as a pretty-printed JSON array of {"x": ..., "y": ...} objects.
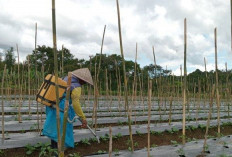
[{"x": 80, "y": 26}]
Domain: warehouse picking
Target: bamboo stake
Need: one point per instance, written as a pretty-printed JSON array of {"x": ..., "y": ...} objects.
[
  {"x": 194, "y": 94},
  {"x": 216, "y": 73},
  {"x": 95, "y": 94},
  {"x": 170, "y": 109},
  {"x": 66, "y": 112},
  {"x": 110, "y": 93},
  {"x": 118, "y": 88},
  {"x": 134, "y": 82},
  {"x": 185, "y": 80},
  {"x": 181, "y": 81},
  {"x": 62, "y": 60},
  {"x": 15, "y": 90},
  {"x": 107, "y": 88},
  {"x": 90, "y": 68},
  {"x": 41, "y": 105},
  {"x": 19, "y": 107},
  {"x": 29, "y": 85},
  {"x": 227, "y": 92},
  {"x": 125, "y": 78},
  {"x": 110, "y": 142},
  {"x": 36, "y": 75},
  {"x": 199, "y": 99},
  {"x": 140, "y": 89},
  {"x": 96, "y": 81},
  {"x": 206, "y": 81},
  {"x": 208, "y": 120},
  {"x": 3, "y": 119},
  {"x": 135, "y": 67},
  {"x": 153, "y": 49},
  {"x": 56, "y": 77},
  {"x": 149, "y": 118},
  {"x": 160, "y": 98}
]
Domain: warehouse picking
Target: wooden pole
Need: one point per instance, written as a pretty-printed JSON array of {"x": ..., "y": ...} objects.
[
  {"x": 19, "y": 107},
  {"x": 107, "y": 88},
  {"x": 36, "y": 77},
  {"x": 110, "y": 142},
  {"x": 2, "y": 93},
  {"x": 96, "y": 82},
  {"x": 134, "y": 82},
  {"x": 208, "y": 120},
  {"x": 227, "y": 91},
  {"x": 29, "y": 85},
  {"x": 66, "y": 112},
  {"x": 149, "y": 118},
  {"x": 110, "y": 93},
  {"x": 206, "y": 81},
  {"x": 125, "y": 78},
  {"x": 62, "y": 60},
  {"x": 56, "y": 77},
  {"x": 153, "y": 49},
  {"x": 216, "y": 75},
  {"x": 199, "y": 99},
  {"x": 118, "y": 88},
  {"x": 185, "y": 80}
]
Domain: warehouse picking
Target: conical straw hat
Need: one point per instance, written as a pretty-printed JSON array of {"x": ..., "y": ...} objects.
[{"x": 83, "y": 74}]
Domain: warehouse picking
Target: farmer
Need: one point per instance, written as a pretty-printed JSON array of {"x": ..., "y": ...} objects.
[{"x": 79, "y": 78}]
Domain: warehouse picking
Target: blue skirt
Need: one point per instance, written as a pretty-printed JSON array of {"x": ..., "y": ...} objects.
[{"x": 50, "y": 126}]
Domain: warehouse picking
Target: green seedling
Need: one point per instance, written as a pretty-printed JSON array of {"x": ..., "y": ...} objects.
[
  {"x": 30, "y": 149},
  {"x": 74, "y": 155},
  {"x": 116, "y": 152},
  {"x": 174, "y": 129},
  {"x": 101, "y": 152},
  {"x": 220, "y": 135},
  {"x": 1, "y": 152},
  {"x": 90, "y": 123},
  {"x": 47, "y": 151},
  {"x": 94, "y": 139},
  {"x": 193, "y": 127},
  {"x": 180, "y": 152},
  {"x": 128, "y": 142},
  {"x": 154, "y": 145},
  {"x": 104, "y": 138},
  {"x": 136, "y": 144},
  {"x": 138, "y": 133},
  {"x": 201, "y": 126},
  {"x": 174, "y": 143},
  {"x": 85, "y": 141},
  {"x": 156, "y": 132},
  {"x": 120, "y": 122},
  {"x": 119, "y": 135}
]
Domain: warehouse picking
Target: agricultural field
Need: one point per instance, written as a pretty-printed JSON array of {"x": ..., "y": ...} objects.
[
  {"x": 24, "y": 138},
  {"x": 133, "y": 107}
]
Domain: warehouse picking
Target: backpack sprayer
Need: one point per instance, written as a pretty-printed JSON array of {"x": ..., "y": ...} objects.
[{"x": 76, "y": 117}]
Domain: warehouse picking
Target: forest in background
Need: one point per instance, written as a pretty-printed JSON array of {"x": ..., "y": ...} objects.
[{"x": 111, "y": 71}]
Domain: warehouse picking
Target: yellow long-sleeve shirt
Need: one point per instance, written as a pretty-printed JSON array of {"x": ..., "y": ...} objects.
[{"x": 76, "y": 93}]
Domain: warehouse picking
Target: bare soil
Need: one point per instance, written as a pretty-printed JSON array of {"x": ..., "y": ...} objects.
[{"x": 123, "y": 143}]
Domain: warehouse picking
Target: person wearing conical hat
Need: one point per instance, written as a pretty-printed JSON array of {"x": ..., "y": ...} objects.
[{"x": 79, "y": 78}]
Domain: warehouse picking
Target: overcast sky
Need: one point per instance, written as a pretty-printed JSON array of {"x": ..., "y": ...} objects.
[{"x": 80, "y": 25}]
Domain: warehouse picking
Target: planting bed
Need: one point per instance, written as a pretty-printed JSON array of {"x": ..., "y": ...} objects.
[
  {"x": 169, "y": 136},
  {"x": 19, "y": 135}
]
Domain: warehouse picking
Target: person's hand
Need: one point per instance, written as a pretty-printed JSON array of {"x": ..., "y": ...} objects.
[{"x": 84, "y": 124}]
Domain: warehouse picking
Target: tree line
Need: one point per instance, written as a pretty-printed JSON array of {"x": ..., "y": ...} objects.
[{"x": 110, "y": 65}]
